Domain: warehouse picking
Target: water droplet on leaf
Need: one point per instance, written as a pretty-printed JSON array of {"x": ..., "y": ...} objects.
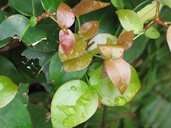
[{"x": 120, "y": 101}]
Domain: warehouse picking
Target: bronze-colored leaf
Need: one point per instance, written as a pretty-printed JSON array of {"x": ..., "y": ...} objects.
[
  {"x": 87, "y": 6},
  {"x": 65, "y": 16},
  {"x": 89, "y": 29},
  {"x": 78, "y": 64},
  {"x": 78, "y": 49},
  {"x": 168, "y": 36},
  {"x": 119, "y": 73},
  {"x": 110, "y": 51},
  {"x": 67, "y": 40},
  {"x": 126, "y": 40}
]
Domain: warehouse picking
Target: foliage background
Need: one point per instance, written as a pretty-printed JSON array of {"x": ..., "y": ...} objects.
[{"x": 29, "y": 68}]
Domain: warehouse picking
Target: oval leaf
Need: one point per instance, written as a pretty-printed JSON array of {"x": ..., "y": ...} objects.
[
  {"x": 168, "y": 36},
  {"x": 73, "y": 103},
  {"x": 110, "y": 51},
  {"x": 65, "y": 16},
  {"x": 119, "y": 73},
  {"x": 67, "y": 40},
  {"x": 108, "y": 93},
  {"x": 103, "y": 38},
  {"x": 77, "y": 50},
  {"x": 126, "y": 40},
  {"x": 78, "y": 64},
  {"x": 8, "y": 91},
  {"x": 87, "y": 6},
  {"x": 118, "y": 3},
  {"x": 130, "y": 20},
  {"x": 89, "y": 29}
]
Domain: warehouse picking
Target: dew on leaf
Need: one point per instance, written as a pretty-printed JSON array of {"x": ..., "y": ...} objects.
[{"x": 73, "y": 88}]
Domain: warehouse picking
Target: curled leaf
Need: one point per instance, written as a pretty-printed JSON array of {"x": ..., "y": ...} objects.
[
  {"x": 89, "y": 29},
  {"x": 78, "y": 64},
  {"x": 78, "y": 49},
  {"x": 119, "y": 73},
  {"x": 67, "y": 40},
  {"x": 126, "y": 40},
  {"x": 168, "y": 36},
  {"x": 65, "y": 16},
  {"x": 87, "y": 6},
  {"x": 110, "y": 51}
]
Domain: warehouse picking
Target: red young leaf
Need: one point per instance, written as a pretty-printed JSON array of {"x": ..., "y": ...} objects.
[
  {"x": 119, "y": 73},
  {"x": 86, "y": 6},
  {"x": 67, "y": 40},
  {"x": 89, "y": 29},
  {"x": 65, "y": 16},
  {"x": 126, "y": 40},
  {"x": 168, "y": 36}
]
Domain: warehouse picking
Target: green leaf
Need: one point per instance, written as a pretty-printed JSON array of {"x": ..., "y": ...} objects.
[
  {"x": 118, "y": 3},
  {"x": 8, "y": 69},
  {"x": 3, "y": 16},
  {"x": 58, "y": 76},
  {"x": 15, "y": 115},
  {"x": 38, "y": 116},
  {"x": 18, "y": 25},
  {"x": 130, "y": 20},
  {"x": 152, "y": 33},
  {"x": 108, "y": 93},
  {"x": 148, "y": 12},
  {"x": 73, "y": 103},
  {"x": 50, "y": 5},
  {"x": 166, "y": 2},
  {"x": 8, "y": 91},
  {"x": 79, "y": 63},
  {"x": 27, "y": 7}
]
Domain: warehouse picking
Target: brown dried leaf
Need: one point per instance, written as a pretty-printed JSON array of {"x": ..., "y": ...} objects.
[
  {"x": 65, "y": 16},
  {"x": 119, "y": 73},
  {"x": 67, "y": 40},
  {"x": 168, "y": 36},
  {"x": 89, "y": 29},
  {"x": 126, "y": 40},
  {"x": 87, "y": 6},
  {"x": 110, "y": 51}
]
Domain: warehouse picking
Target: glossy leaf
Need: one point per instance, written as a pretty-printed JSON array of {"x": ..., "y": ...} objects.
[
  {"x": 119, "y": 73},
  {"x": 65, "y": 16},
  {"x": 18, "y": 25},
  {"x": 148, "y": 12},
  {"x": 168, "y": 36},
  {"x": 165, "y": 2},
  {"x": 109, "y": 95},
  {"x": 152, "y": 33},
  {"x": 87, "y": 6},
  {"x": 118, "y": 3},
  {"x": 50, "y": 5},
  {"x": 78, "y": 49},
  {"x": 73, "y": 103},
  {"x": 102, "y": 38},
  {"x": 8, "y": 91},
  {"x": 89, "y": 29},
  {"x": 17, "y": 113},
  {"x": 130, "y": 20},
  {"x": 78, "y": 64},
  {"x": 33, "y": 7},
  {"x": 67, "y": 40},
  {"x": 110, "y": 51},
  {"x": 126, "y": 40},
  {"x": 57, "y": 74}
]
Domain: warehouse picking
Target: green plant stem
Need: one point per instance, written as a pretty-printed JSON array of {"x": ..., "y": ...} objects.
[
  {"x": 33, "y": 7},
  {"x": 138, "y": 35},
  {"x": 78, "y": 21}
]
